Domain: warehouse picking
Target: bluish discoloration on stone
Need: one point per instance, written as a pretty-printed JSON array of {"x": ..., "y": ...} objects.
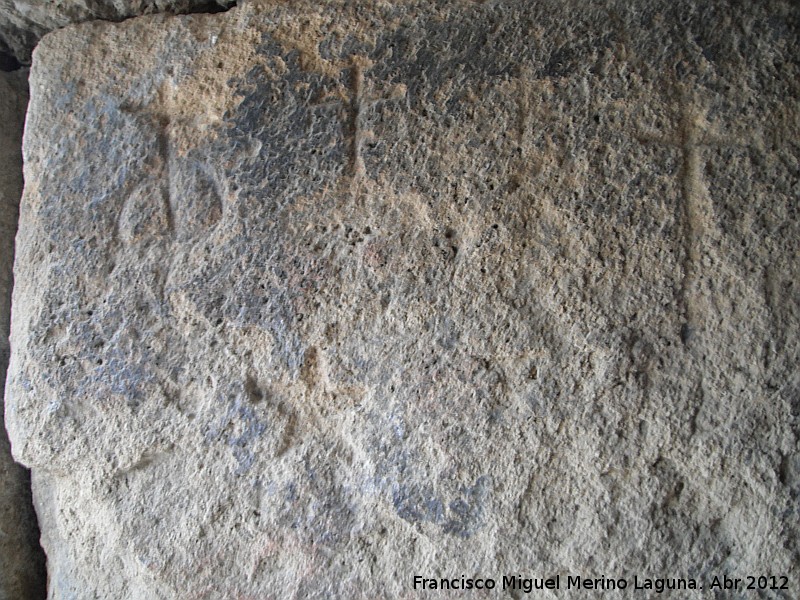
[
  {"x": 417, "y": 503},
  {"x": 298, "y": 149},
  {"x": 462, "y": 516}
]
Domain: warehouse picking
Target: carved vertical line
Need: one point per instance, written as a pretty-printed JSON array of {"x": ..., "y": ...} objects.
[
  {"x": 165, "y": 148},
  {"x": 357, "y": 83},
  {"x": 523, "y": 109},
  {"x": 695, "y": 209},
  {"x": 690, "y": 237}
]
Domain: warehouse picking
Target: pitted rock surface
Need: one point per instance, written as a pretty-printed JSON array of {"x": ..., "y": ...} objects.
[
  {"x": 312, "y": 298},
  {"x": 24, "y": 22}
]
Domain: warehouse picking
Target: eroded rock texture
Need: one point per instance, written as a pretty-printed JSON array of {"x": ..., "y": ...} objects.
[
  {"x": 24, "y": 22},
  {"x": 313, "y": 298},
  {"x": 22, "y": 575}
]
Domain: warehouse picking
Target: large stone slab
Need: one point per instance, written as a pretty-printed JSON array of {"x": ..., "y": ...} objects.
[
  {"x": 22, "y": 575},
  {"x": 312, "y": 299}
]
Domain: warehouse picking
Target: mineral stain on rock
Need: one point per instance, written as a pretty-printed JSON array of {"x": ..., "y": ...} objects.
[{"x": 462, "y": 516}]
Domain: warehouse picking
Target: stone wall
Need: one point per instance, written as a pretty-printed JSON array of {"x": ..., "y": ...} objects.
[
  {"x": 312, "y": 298},
  {"x": 22, "y": 574}
]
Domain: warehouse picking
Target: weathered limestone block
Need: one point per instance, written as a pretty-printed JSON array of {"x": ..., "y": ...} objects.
[
  {"x": 314, "y": 298},
  {"x": 22, "y": 575},
  {"x": 24, "y": 22}
]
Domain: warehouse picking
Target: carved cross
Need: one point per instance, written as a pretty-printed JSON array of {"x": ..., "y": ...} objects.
[
  {"x": 690, "y": 138},
  {"x": 528, "y": 109},
  {"x": 526, "y": 104},
  {"x": 171, "y": 128},
  {"x": 356, "y": 102},
  {"x": 160, "y": 120}
]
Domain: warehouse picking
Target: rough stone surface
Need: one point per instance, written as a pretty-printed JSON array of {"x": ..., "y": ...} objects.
[
  {"x": 22, "y": 575},
  {"x": 313, "y": 298},
  {"x": 24, "y": 22}
]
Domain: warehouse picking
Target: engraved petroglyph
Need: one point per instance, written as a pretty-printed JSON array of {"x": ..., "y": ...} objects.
[
  {"x": 139, "y": 216},
  {"x": 175, "y": 195},
  {"x": 530, "y": 112},
  {"x": 384, "y": 354},
  {"x": 356, "y": 102},
  {"x": 697, "y": 212}
]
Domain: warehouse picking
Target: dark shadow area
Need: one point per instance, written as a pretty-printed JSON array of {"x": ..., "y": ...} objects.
[
  {"x": 29, "y": 581},
  {"x": 8, "y": 62},
  {"x": 37, "y": 573},
  {"x": 210, "y": 7}
]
